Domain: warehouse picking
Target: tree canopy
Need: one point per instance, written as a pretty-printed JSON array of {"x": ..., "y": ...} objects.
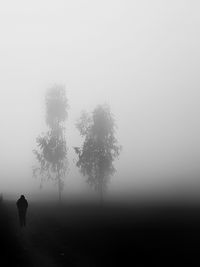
[
  {"x": 100, "y": 147},
  {"x": 52, "y": 146}
]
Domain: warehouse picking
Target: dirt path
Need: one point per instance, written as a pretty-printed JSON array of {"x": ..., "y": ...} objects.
[{"x": 30, "y": 248}]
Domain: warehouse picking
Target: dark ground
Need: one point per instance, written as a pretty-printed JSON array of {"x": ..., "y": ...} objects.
[{"x": 111, "y": 235}]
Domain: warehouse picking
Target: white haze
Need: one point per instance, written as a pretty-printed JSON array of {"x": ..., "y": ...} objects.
[{"x": 140, "y": 57}]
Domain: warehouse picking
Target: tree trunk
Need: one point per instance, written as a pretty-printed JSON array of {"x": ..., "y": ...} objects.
[
  {"x": 100, "y": 192},
  {"x": 59, "y": 190},
  {"x": 59, "y": 186}
]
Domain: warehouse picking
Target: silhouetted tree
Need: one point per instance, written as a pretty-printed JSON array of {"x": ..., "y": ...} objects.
[
  {"x": 99, "y": 149},
  {"x": 52, "y": 153}
]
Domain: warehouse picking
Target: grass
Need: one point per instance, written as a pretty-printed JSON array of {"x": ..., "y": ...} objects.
[{"x": 109, "y": 235}]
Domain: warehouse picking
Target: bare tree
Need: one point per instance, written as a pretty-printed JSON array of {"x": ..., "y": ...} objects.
[
  {"x": 52, "y": 147},
  {"x": 99, "y": 149}
]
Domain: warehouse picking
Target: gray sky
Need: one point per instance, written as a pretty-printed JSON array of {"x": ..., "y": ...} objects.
[{"x": 141, "y": 57}]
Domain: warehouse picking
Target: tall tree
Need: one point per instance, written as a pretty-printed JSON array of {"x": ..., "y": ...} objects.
[
  {"x": 52, "y": 146},
  {"x": 99, "y": 149}
]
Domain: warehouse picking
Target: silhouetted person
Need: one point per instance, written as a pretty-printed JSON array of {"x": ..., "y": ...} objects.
[{"x": 22, "y": 205}]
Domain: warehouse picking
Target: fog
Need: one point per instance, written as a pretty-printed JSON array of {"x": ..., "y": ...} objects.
[{"x": 140, "y": 57}]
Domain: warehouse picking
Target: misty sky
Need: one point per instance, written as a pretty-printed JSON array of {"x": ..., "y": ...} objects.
[{"x": 140, "y": 57}]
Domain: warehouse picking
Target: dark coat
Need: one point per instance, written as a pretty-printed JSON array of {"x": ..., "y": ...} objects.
[{"x": 22, "y": 204}]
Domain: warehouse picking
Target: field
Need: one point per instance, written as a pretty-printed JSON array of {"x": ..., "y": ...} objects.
[{"x": 146, "y": 234}]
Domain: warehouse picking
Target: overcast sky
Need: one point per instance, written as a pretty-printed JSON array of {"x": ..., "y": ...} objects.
[{"x": 140, "y": 57}]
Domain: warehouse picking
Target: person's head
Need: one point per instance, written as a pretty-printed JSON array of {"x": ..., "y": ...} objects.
[{"x": 22, "y": 196}]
